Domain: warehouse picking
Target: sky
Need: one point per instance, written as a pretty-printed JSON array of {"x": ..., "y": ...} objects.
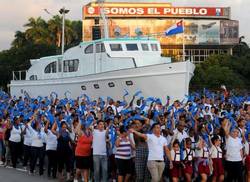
[{"x": 15, "y": 13}]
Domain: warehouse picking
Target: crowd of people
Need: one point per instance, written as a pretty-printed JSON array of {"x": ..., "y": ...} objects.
[{"x": 204, "y": 137}]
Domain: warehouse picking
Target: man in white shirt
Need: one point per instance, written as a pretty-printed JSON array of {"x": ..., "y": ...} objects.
[
  {"x": 179, "y": 133},
  {"x": 157, "y": 145},
  {"x": 100, "y": 153}
]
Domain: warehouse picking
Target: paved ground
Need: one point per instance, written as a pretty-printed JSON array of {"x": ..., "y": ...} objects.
[{"x": 16, "y": 175}]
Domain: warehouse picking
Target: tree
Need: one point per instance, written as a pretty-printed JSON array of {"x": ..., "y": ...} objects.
[
  {"x": 232, "y": 71},
  {"x": 20, "y": 40},
  {"x": 38, "y": 31},
  {"x": 41, "y": 38},
  {"x": 55, "y": 28}
]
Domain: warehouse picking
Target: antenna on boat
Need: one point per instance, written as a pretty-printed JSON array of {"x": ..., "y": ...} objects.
[
  {"x": 63, "y": 12},
  {"x": 105, "y": 22}
]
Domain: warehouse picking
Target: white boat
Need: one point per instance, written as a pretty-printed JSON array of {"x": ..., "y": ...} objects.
[{"x": 105, "y": 68}]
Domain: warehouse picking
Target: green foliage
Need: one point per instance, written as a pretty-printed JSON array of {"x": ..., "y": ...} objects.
[
  {"x": 41, "y": 38},
  {"x": 217, "y": 70}
]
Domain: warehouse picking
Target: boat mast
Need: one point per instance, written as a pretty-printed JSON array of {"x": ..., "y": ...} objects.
[{"x": 103, "y": 16}]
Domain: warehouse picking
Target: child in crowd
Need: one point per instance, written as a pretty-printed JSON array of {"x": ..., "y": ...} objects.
[
  {"x": 202, "y": 160},
  {"x": 188, "y": 159},
  {"x": 175, "y": 152},
  {"x": 216, "y": 155}
]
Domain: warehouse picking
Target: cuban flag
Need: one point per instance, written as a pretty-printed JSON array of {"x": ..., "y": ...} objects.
[{"x": 175, "y": 29}]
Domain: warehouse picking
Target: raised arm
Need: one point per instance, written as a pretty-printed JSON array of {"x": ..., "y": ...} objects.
[
  {"x": 131, "y": 102},
  {"x": 151, "y": 108},
  {"x": 54, "y": 128},
  {"x": 243, "y": 136},
  {"x": 141, "y": 135},
  {"x": 46, "y": 127},
  {"x": 226, "y": 128}
]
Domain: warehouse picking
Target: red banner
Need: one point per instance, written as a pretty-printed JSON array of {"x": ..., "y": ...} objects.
[{"x": 89, "y": 11}]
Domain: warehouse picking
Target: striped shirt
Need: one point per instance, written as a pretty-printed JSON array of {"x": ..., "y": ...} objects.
[{"x": 123, "y": 151}]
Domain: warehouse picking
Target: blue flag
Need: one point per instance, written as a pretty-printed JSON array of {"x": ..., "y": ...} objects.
[
  {"x": 125, "y": 93},
  {"x": 137, "y": 93}
]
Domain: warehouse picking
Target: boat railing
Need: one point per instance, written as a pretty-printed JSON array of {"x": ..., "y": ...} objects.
[{"x": 19, "y": 75}]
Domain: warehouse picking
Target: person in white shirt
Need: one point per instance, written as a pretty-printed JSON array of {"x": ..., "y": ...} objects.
[
  {"x": 111, "y": 105},
  {"x": 202, "y": 159},
  {"x": 15, "y": 141},
  {"x": 234, "y": 153},
  {"x": 157, "y": 145},
  {"x": 100, "y": 158},
  {"x": 26, "y": 147},
  {"x": 51, "y": 150},
  {"x": 188, "y": 159},
  {"x": 175, "y": 153},
  {"x": 208, "y": 104},
  {"x": 37, "y": 149},
  {"x": 179, "y": 131},
  {"x": 216, "y": 155}
]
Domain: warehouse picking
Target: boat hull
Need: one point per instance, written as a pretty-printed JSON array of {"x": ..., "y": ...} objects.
[{"x": 160, "y": 81}]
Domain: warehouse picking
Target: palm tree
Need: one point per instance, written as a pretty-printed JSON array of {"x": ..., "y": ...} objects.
[
  {"x": 55, "y": 29},
  {"x": 20, "y": 39},
  {"x": 37, "y": 31}
]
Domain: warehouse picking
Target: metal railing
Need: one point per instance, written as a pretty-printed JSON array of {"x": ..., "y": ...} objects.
[{"x": 19, "y": 75}]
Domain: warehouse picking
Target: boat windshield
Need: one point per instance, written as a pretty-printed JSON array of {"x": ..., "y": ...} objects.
[
  {"x": 100, "y": 48},
  {"x": 132, "y": 47},
  {"x": 115, "y": 47}
]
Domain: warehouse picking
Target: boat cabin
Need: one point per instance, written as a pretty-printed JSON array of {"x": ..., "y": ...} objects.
[{"x": 98, "y": 56}]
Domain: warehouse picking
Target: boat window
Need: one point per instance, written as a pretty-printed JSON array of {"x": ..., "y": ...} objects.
[
  {"x": 154, "y": 47},
  {"x": 115, "y": 47},
  {"x": 100, "y": 48},
  {"x": 145, "y": 47},
  {"x": 129, "y": 83},
  {"x": 89, "y": 49},
  {"x": 132, "y": 47},
  {"x": 111, "y": 84},
  {"x": 83, "y": 87},
  {"x": 50, "y": 68},
  {"x": 70, "y": 65},
  {"x": 96, "y": 86},
  {"x": 33, "y": 77}
]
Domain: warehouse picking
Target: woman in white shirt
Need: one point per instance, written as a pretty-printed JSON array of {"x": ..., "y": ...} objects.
[
  {"x": 51, "y": 150},
  {"x": 234, "y": 154},
  {"x": 26, "y": 147},
  {"x": 37, "y": 150},
  {"x": 15, "y": 141}
]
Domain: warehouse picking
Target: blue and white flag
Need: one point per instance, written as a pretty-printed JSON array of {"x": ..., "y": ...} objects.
[{"x": 175, "y": 29}]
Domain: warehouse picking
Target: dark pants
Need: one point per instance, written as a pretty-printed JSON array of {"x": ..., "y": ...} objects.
[
  {"x": 64, "y": 158},
  {"x": 52, "y": 162},
  {"x": 37, "y": 153},
  {"x": 234, "y": 171},
  {"x": 2, "y": 150},
  {"x": 26, "y": 154},
  {"x": 15, "y": 152},
  {"x": 141, "y": 159}
]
